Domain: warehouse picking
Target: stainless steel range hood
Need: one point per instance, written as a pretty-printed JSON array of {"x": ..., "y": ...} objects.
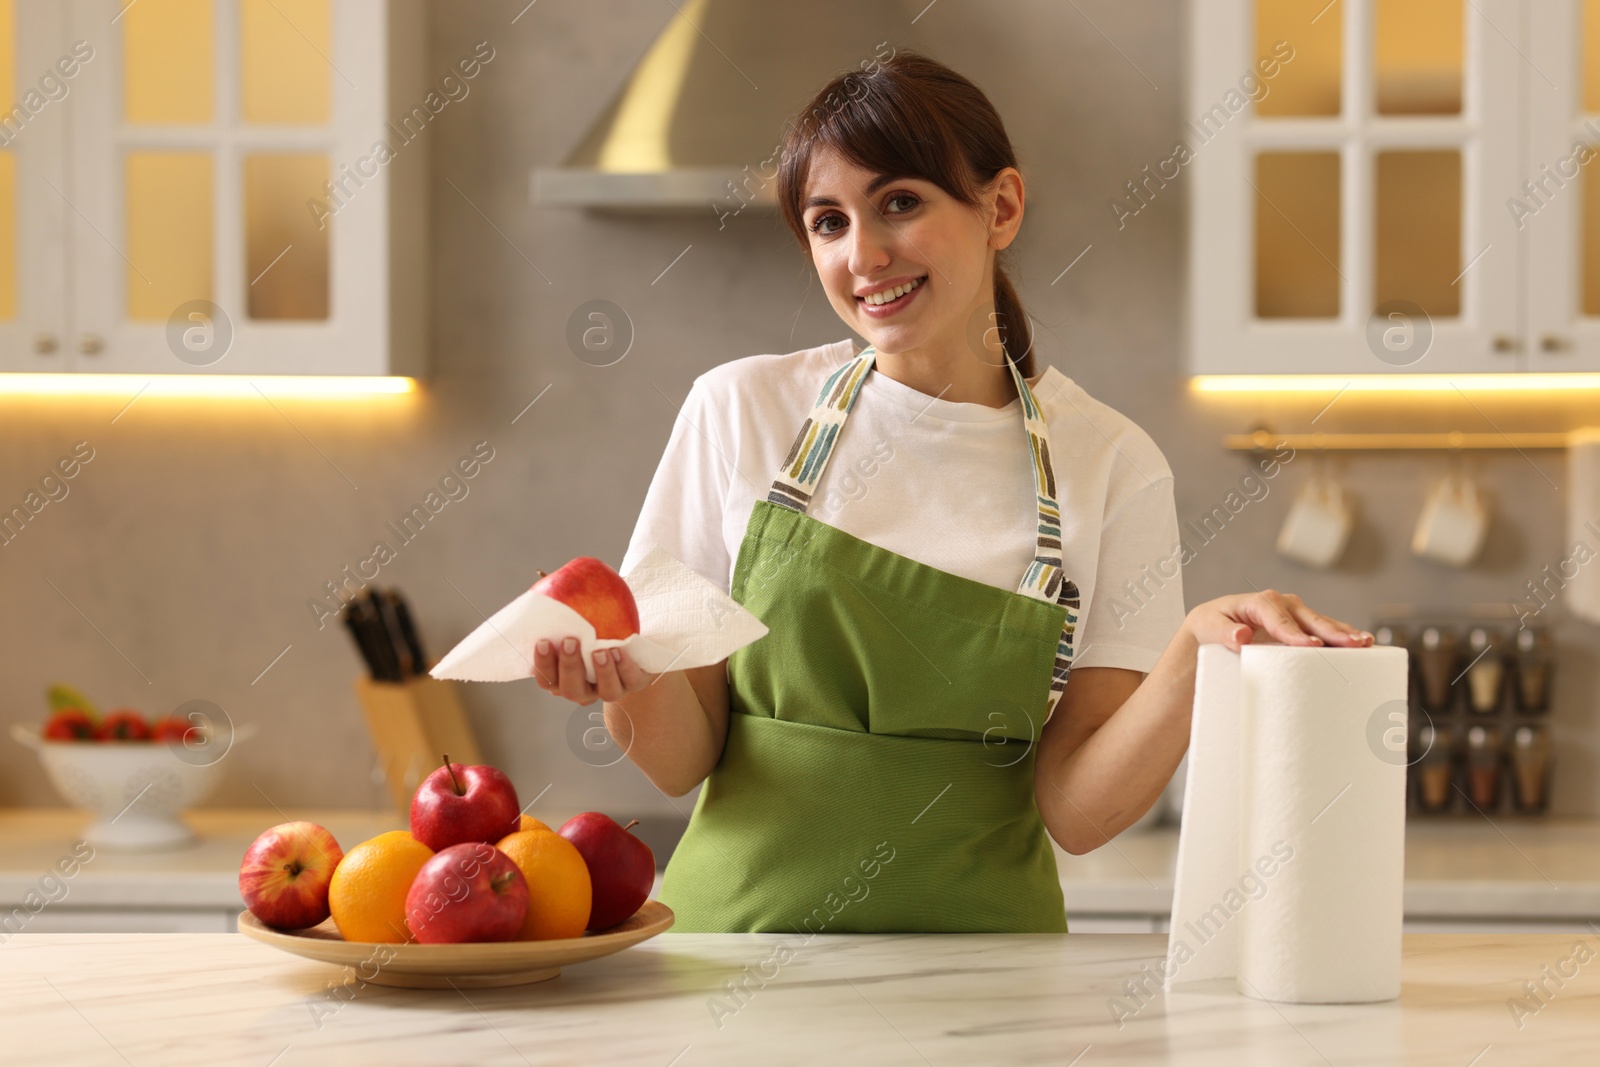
[{"x": 698, "y": 124}]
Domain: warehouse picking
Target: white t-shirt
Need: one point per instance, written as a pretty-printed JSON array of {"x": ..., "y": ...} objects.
[{"x": 948, "y": 484}]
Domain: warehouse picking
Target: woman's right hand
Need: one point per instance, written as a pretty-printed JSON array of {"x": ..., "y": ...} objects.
[{"x": 560, "y": 671}]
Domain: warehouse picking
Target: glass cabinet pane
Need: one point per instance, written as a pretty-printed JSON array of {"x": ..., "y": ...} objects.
[
  {"x": 1418, "y": 49},
  {"x": 1309, "y": 84},
  {"x": 167, "y": 59},
  {"x": 1418, "y": 230},
  {"x": 8, "y": 237},
  {"x": 286, "y": 251},
  {"x": 1591, "y": 238},
  {"x": 286, "y": 76},
  {"x": 169, "y": 232},
  {"x": 1297, "y": 234}
]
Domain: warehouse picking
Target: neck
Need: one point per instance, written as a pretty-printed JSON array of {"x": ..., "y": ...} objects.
[{"x": 951, "y": 372}]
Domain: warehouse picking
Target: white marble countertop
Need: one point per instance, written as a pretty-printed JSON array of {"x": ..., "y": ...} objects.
[{"x": 883, "y": 1000}]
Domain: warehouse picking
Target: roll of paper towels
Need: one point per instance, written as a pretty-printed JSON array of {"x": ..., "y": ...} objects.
[{"x": 1291, "y": 856}]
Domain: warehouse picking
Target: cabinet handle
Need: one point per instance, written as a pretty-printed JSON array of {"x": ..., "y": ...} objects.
[
  {"x": 1554, "y": 342},
  {"x": 45, "y": 344},
  {"x": 1504, "y": 342},
  {"x": 91, "y": 344}
]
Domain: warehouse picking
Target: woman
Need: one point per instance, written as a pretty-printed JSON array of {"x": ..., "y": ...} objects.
[{"x": 890, "y": 756}]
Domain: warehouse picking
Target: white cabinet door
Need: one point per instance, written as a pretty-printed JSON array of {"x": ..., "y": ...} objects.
[
  {"x": 208, "y": 238},
  {"x": 38, "y": 75},
  {"x": 1556, "y": 198},
  {"x": 1343, "y": 161}
]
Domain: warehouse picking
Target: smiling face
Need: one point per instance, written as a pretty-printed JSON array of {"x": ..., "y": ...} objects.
[{"x": 872, "y": 236}]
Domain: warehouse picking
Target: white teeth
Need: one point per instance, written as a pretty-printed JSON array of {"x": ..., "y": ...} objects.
[{"x": 891, "y": 294}]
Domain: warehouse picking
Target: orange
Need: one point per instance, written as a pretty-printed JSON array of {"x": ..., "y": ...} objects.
[
  {"x": 530, "y": 823},
  {"x": 368, "y": 892},
  {"x": 559, "y": 892}
]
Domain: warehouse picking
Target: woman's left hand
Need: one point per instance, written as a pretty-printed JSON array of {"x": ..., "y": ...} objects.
[{"x": 1234, "y": 620}]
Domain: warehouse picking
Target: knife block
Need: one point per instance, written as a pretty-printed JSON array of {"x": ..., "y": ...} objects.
[{"x": 413, "y": 723}]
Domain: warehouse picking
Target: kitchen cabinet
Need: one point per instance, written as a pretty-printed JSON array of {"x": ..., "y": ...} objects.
[
  {"x": 1536, "y": 875},
  {"x": 1463, "y": 875},
  {"x": 1381, "y": 186},
  {"x": 198, "y": 187}
]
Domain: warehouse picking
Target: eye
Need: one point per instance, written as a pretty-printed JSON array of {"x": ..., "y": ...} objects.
[
  {"x": 915, "y": 200},
  {"x": 816, "y": 224}
]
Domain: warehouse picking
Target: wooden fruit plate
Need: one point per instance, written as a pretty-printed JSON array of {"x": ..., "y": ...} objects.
[{"x": 480, "y": 965}]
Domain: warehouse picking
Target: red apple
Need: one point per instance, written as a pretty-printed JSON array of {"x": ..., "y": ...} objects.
[
  {"x": 123, "y": 724},
  {"x": 175, "y": 729},
  {"x": 285, "y": 874},
  {"x": 596, "y": 592},
  {"x": 460, "y": 803},
  {"x": 468, "y": 892},
  {"x": 621, "y": 867},
  {"x": 69, "y": 724}
]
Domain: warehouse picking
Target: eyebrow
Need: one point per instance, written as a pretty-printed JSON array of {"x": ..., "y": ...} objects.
[{"x": 873, "y": 186}]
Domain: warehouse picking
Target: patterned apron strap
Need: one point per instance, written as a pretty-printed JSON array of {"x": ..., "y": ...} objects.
[
  {"x": 1045, "y": 578},
  {"x": 813, "y": 446}
]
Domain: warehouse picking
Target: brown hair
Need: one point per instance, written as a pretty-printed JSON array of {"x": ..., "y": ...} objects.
[{"x": 910, "y": 116}]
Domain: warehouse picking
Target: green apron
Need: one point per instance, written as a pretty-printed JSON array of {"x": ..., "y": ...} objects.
[{"x": 878, "y": 770}]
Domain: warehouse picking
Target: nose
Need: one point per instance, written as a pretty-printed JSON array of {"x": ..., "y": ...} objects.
[{"x": 869, "y": 251}]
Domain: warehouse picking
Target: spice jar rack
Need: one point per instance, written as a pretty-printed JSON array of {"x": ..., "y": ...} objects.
[{"x": 1479, "y": 703}]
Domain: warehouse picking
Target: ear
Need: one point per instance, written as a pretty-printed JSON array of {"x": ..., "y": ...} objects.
[{"x": 1006, "y": 196}]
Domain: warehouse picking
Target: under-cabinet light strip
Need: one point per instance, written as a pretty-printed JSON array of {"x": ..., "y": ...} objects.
[
  {"x": 1532, "y": 381},
  {"x": 311, "y": 386}
]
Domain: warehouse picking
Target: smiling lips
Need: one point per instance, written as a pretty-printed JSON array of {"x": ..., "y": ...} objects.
[{"x": 886, "y": 300}]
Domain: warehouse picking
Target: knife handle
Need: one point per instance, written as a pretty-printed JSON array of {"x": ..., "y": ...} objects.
[
  {"x": 394, "y": 639},
  {"x": 408, "y": 632}
]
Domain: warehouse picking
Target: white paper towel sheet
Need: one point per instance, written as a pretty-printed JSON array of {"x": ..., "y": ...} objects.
[
  {"x": 684, "y": 621},
  {"x": 1291, "y": 853}
]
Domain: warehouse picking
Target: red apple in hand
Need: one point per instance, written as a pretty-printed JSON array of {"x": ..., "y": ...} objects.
[
  {"x": 596, "y": 592},
  {"x": 468, "y": 892},
  {"x": 461, "y": 803},
  {"x": 621, "y": 867},
  {"x": 285, "y": 874}
]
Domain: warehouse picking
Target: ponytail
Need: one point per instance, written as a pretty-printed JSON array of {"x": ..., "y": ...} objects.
[{"x": 1016, "y": 333}]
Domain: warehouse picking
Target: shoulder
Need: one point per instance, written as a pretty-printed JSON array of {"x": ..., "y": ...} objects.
[
  {"x": 1085, "y": 429},
  {"x": 772, "y": 378}
]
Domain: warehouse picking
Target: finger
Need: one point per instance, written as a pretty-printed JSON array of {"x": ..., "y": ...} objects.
[
  {"x": 1331, "y": 630},
  {"x": 544, "y": 664},
  {"x": 574, "y": 679},
  {"x": 1338, "y": 632},
  {"x": 606, "y": 682},
  {"x": 1238, "y": 637},
  {"x": 633, "y": 676},
  {"x": 1276, "y": 619}
]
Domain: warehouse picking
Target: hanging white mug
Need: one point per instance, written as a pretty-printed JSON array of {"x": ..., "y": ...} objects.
[
  {"x": 1454, "y": 522},
  {"x": 1318, "y": 526}
]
